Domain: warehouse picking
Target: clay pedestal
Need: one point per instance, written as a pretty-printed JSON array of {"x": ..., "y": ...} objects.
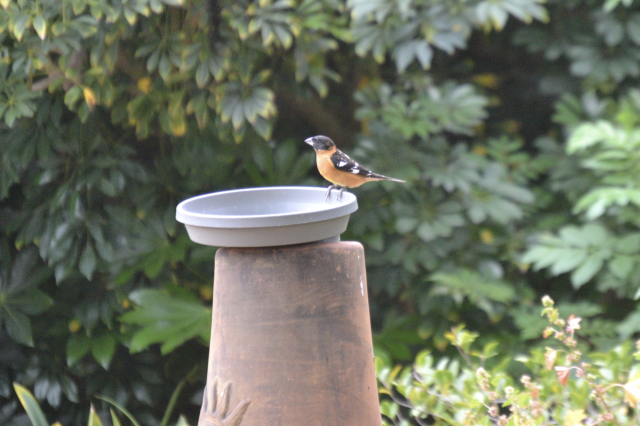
[{"x": 291, "y": 338}]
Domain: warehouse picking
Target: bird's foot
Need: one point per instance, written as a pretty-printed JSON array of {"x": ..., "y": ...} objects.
[
  {"x": 328, "y": 193},
  {"x": 340, "y": 193}
]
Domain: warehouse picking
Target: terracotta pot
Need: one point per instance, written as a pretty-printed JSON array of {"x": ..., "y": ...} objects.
[{"x": 291, "y": 338}]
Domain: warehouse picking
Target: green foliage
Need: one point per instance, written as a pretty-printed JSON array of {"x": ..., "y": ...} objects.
[
  {"x": 167, "y": 320},
  {"x": 31, "y": 406},
  {"x": 606, "y": 247},
  {"x": 488, "y": 295},
  {"x": 19, "y": 295},
  {"x": 612, "y": 154},
  {"x": 410, "y": 30},
  {"x": 514, "y": 122},
  {"x": 474, "y": 389},
  {"x": 423, "y": 109},
  {"x": 37, "y": 417}
]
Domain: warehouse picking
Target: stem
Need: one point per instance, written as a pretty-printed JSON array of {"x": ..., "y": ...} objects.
[
  {"x": 175, "y": 395},
  {"x": 408, "y": 405},
  {"x": 599, "y": 393},
  {"x": 465, "y": 356},
  {"x": 403, "y": 403}
]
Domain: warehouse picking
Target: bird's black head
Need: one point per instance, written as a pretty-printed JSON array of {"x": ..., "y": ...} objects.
[{"x": 321, "y": 143}]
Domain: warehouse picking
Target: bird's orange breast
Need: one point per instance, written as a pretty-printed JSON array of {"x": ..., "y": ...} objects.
[{"x": 338, "y": 177}]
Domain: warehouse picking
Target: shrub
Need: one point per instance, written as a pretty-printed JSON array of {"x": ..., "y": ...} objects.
[{"x": 565, "y": 383}]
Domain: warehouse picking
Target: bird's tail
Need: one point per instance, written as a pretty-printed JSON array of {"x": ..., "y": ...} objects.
[{"x": 375, "y": 176}]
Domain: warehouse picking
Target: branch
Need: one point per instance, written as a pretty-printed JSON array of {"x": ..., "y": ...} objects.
[
  {"x": 45, "y": 82},
  {"x": 75, "y": 62}
]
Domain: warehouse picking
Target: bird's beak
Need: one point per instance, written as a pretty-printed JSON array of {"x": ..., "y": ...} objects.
[{"x": 309, "y": 141}]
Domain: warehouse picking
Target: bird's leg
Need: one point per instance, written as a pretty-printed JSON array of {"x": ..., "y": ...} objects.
[
  {"x": 328, "y": 194},
  {"x": 340, "y": 193}
]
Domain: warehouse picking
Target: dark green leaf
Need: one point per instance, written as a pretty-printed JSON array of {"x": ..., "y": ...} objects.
[
  {"x": 88, "y": 261},
  {"x": 31, "y": 302},
  {"x": 102, "y": 348},
  {"x": 78, "y": 346},
  {"x": 18, "y": 326}
]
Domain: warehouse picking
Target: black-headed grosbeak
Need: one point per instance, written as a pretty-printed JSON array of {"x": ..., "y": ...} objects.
[{"x": 339, "y": 169}]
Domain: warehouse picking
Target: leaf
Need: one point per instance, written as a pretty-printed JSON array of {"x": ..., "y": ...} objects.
[
  {"x": 31, "y": 302},
  {"x": 88, "y": 261},
  {"x": 114, "y": 418},
  {"x": 563, "y": 374},
  {"x": 178, "y": 123},
  {"x": 633, "y": 28},
  {"x": 202, "y": 75},
  {"x": 480, "y": 291},
  {"x": 443, "y": 378},
  {"x": 102, "y": 348},
  {"x": 461, "y": 338},
  {"x": 589, "y": 134},
  {"x": 20, "y": 25},
  {"x": 18, "y": 326},
  {"x": 89, "y": 97},
  {"x": 405, "y": 225},
  {"x": 25, "y": 272},
  {"x": 574, "y": 236},
  {"x": 182, "y": 421},
  {"x": 632, "y": 392},
  {"x": 30, "y": 406},
  {"x": 622, "y": 265},
  {"x": 78, "y": 345},
  {"x": 406, "y": 52},
  {"x": 164, "y": 67},
  {"x": 489, "y": 350},
  {"x": 40, "y": 25},
  {"x": 121, "y": 408},
  {"x": 166, "y": 319},
  {"x": 587, "y": 270},
  {"x": 567, "y": 260},
  {"x": 389, "y": 409},
  {"x": 94, "y": 419},
  {"x": 72, "y": 96},
  {"x": 629, "y": 244}
]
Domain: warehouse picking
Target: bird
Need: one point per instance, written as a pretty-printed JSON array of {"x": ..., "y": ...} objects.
[{"x": 339, "y": 169}]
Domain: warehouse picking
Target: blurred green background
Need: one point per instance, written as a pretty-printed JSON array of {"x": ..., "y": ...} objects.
[{"x": 516, "y": 124}]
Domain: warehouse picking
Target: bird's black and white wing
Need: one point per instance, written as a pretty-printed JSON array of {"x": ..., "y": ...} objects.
[{"x": 343, "y": 162}]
